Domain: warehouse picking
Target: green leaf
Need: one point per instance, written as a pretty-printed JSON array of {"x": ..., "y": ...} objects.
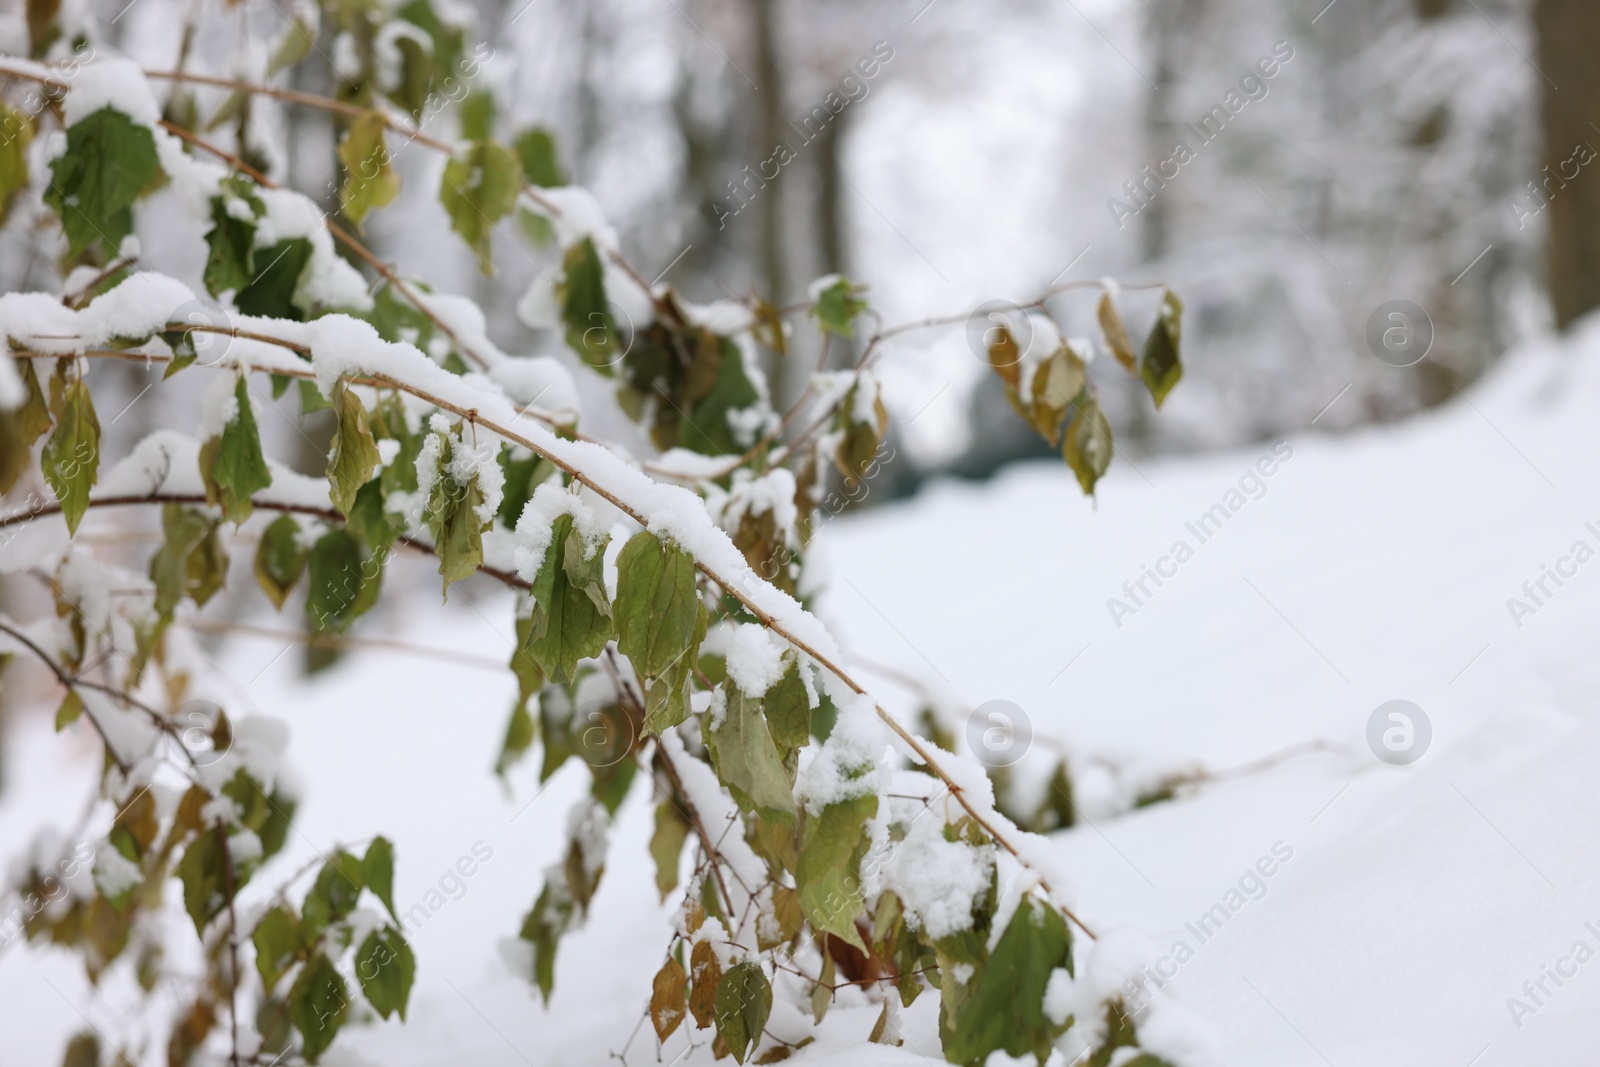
[
  {"x": 33, "y": 418},
  {"x": 567, "y": 623},
  {"x": 108, "y": 162},
  {"x": 333, "y": 895},
  {"x": 1002, "y": 1005},
  {"x": 22, "y": 427},
  {"x": 377, "y": 871},
  {"x": 519, "y": 731},
  {"x": 231, "y": 464},
  {"x": 277, "y": 939},
  {"x": 476, "y": 115},
  {"x": 1161, "y": 368},
  {"x": 16, "y": 133},
  {"x": 278, "y": 271},
  {"x": 658, "y": 611},
  {"x": 203, "y": 871},
  {"x": 370, "y": 180},
  {"x": 479, "y": 189},
  {"x": 318, "y": 1004},
  {"x": 666, "y": 845},
  {"x": 190, "y": 561},
  {"x": 385, "y": 968},
  {"x": 541, "y": 165},
  {"x": 591, "y": 331},
  {"x": 1088, "y": 448},
  {"x": 295, "y": 45},
  {"x": 788, "y": 709},
  {"x": 747, "y": 760},
  {"x": 543, "y": 927},
  {"x": 837, "y": 307},
  {"x": 828, "y": 874},
  {"x": 230, "y": 247},
  {"x": 280, "y": 559},
  {"x": 704, "y": 427},
  {"x": 744, "y": 1001},
  {"x": 860, "y": 439},
  {"x": 341, "y": 581},
  {"x": 355, "y": 454},
  {"x": 69, "y": 711},
  {"x": 71, "y": 457}
]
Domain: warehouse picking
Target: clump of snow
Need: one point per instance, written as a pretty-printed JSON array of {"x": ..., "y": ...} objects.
[
  {"x": 577, "y": 215},
  {"x": 244, "y": 847},
  {"x": 113, "y": 83},
  {"x": 755, "y": 659},
  {"x": 219, "y": 406},
  {"x": 387, "y": 58},
  {"x": 726, "y": 317},
  {"x": 815, "y": 290},
  {"x": 114, "y": 873},
  {"x": 534, "y": 526},
  {"x": 538, "y": 308},
  {"x": 937, "y": 880},
  {"x": 848, "y": 764},
  {"x": 589, "y": 827}
]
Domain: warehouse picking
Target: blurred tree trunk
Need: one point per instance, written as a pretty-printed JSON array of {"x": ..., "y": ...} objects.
[
  {"x": 769, "y": 120},
  {"x": 833, "y": 243},
  {"x": 1569, "y": 37}
]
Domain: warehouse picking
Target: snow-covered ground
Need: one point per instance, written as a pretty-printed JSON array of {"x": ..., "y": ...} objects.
[{"x": 1406, "y": 907}]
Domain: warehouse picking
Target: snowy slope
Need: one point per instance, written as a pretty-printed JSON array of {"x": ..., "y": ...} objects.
[{"x": 1413, "y": 903}]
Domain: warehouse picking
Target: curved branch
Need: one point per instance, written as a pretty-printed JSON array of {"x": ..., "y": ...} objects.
[
  {"x": 917, "y": 747},
  {"x": 325, "y": 514},
  {"x": 74, "y": 681}
]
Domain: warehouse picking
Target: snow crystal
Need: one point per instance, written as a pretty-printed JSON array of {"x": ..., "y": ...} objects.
[{"x": 755, "y": 659}]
